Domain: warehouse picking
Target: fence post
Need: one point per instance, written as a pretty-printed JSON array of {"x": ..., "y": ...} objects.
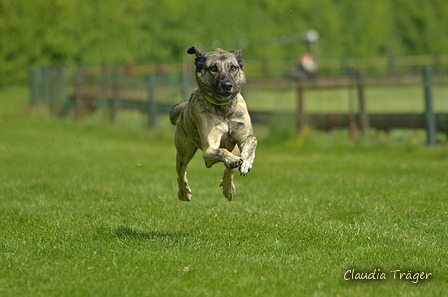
[
  {"x": 45, "y": 84},
  {"x": 56, "y": 89},
  {"x": 129, "y": 69},
  {"x": 184, "y": 85},
  {"x": 429, "y": 107},
  {"x": 152, "y": 105},
  {"x": 78, "y": 93},
  {"x": 105, "y": 83},
  {"x": 34, "y": 85},
  {"x": 352, "y": 125},
  {"x": 61, "y": 85},
  {"x": 116, "y": 93},
  {"x": 363, "y": 115},
  {"x": 53, "y": 80},
  {"x": 301, "y": 116},
  {"x": 161, "y": 70},
  {"x": 392, "y": 64}
]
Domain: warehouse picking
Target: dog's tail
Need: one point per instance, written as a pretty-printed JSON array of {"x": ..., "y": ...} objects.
[{"x": 176, "y": 111}]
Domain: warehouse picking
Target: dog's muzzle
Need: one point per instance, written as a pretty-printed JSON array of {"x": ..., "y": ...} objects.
[{"x": 225, "y": 88}]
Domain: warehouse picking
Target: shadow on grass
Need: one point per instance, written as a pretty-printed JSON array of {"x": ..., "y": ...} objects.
[{"x": 129, "y": 233}]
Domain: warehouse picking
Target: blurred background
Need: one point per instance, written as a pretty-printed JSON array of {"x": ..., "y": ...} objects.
[
  {"x": 320, "y": 57},
  {"x": 147, "y": 31}
]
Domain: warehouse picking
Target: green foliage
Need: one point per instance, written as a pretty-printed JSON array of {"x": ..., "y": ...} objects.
[{"x": 145, "y": 31}]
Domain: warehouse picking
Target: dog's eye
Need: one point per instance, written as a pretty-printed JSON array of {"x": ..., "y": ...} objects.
[
  {"x": 214, "y": 69},
  {"x": 233, "y": 68}
]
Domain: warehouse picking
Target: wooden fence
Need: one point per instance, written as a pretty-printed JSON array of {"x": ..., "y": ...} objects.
[
  {"x": 362, "y": 119},
  {"x": 73, "y": 91}
]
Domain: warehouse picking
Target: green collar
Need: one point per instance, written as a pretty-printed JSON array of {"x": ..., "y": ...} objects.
[{"x": 209, "y": 99}]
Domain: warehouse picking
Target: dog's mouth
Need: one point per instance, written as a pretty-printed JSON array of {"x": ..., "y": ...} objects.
[{"x": 226, "y": 94}]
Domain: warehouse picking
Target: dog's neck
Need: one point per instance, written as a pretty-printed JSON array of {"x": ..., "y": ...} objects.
[
  {"x": 209, "y": 99},
  {"x": 224, "y": 109}
]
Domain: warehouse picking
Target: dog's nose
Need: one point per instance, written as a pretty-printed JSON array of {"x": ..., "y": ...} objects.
[{"x": 226, "y": 86}]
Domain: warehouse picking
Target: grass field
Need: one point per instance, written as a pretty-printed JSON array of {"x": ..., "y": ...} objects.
[{"x": 90, "y": 209}]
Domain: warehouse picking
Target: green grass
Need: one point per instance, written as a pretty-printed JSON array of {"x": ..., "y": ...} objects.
[{"x": 90, "y": 209}]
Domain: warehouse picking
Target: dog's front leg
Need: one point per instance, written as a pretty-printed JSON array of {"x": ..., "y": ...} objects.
[
  {"x": 247, "y": 148},
  {"x": 213, "y": 153}
]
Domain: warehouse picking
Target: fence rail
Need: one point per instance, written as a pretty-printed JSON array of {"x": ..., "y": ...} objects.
[{"x": 146, "y": 88}]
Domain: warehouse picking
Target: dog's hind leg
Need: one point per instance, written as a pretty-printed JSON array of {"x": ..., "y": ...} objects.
[
  {"x": 228, "y": 187},
  {"x": 184, "y": 157},
  {"x": 185, "y": 152}
]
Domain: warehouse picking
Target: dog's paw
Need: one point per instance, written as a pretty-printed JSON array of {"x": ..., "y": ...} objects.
[
  {"x": 185, "y": 195},
  {"x": 245, "y": 168},
  {"x": 228, "y": 190},
  {"x": 235, "y": 164}
]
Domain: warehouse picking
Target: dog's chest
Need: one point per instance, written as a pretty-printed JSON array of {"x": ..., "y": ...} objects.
[{"x": 230, "y": 128}]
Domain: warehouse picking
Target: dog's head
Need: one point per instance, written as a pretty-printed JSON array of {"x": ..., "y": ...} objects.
[{"x": 219, "y": 74}]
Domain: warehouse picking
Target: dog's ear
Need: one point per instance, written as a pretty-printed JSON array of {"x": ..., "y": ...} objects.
[
  {"x": 199, "y": 53},
  {"x": 200, "y": 57},
  {"x": 238, "y": 54}
]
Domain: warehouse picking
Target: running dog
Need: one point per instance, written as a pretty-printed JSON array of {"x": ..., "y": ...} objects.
[{"x": 215, "y": 120}]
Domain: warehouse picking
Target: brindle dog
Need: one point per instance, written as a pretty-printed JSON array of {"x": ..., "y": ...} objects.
[{"x": 215, "y": 119}]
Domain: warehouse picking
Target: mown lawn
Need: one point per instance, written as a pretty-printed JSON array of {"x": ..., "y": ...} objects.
[{"x": 90, "y": 209}]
